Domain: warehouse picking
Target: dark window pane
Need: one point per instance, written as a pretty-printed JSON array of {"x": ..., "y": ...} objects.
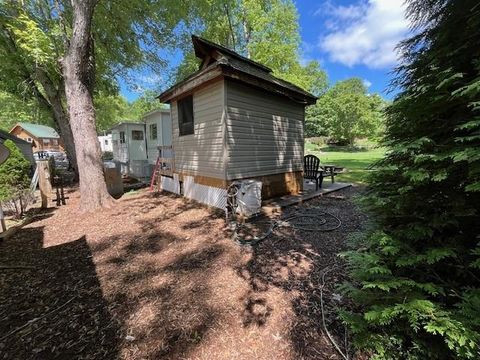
[
  {"x": 185, "y": 115},
  {"x": 137, "y": 135},
  {"x": 153, "y": 131}
]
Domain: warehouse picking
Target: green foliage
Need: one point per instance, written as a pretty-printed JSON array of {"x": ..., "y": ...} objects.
[
  {"x": 14, "y": 173},
  {"x": 145, "y": 103},
  {"x": 416, "y": 274},
  {"x": 128, "y": 35},
  {"x": 346, "y": 112},
  {"x": 266, "y": 31},
  {"x": 15, "y": 109},
  {"x": 112, "y": 109}
]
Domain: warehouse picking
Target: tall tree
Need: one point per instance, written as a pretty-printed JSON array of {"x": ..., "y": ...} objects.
[
  {"x": 266, "y": 31},
  {"x": 79, "y": 74},
  {"x": 416, "y": 279},
  {"x": 346, "y": 112},
  {"x": 28, "y": 68},
  {"x": 35, "y": 38}
]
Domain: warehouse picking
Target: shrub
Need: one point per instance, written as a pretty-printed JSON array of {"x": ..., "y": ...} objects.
[
  {"x": 14, "y": 179},
  {"x": 416, "y": 275}
]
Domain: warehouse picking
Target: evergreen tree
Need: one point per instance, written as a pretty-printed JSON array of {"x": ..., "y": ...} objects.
[{"x": 415, "y": 277}]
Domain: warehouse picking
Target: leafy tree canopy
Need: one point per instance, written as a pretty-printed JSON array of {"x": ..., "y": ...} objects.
[
  {"x": 266, "y": 31},
  {"x": 345, "y": 112},
  {"x": 416, "y": 280},
  {"x": 14, "y": 109}
]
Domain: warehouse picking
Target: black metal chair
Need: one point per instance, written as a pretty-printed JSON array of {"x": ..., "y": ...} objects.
[{"x": 312, "y": 170}]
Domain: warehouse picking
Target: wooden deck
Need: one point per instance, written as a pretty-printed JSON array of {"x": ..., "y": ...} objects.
[{"x": 274, "y": 206}]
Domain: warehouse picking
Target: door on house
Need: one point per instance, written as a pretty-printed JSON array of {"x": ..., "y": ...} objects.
[{"x": 159, "y": 133}]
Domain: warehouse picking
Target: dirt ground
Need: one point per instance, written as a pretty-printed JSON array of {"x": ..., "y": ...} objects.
[{"x": 158, "y": 277}]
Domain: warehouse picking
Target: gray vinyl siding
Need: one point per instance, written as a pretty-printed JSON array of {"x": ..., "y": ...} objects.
[
  {"x": 264, "y": 132},
  {"x": 202, "y": 153}
]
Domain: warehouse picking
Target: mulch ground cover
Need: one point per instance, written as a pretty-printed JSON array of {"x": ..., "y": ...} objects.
[{"x": 159, "y": 277}]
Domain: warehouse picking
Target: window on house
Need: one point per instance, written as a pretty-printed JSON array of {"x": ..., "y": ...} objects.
[
  {"x": 185, "y": 115},
  {"x": 153, "y": 131},
  {"x": 137, "y": 135},
  {"x": 46, "y": 141},
  {"x": 106, "y": 141},
  {"x": 54, "y": 142},
  {"x": 122, "y": 137},
  {"x": 29, "y": 139}
]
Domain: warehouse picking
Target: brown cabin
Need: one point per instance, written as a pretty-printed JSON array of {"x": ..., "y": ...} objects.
[{"x": 41, "y": 137}]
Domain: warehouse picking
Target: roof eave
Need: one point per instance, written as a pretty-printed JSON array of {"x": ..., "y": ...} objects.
[
  {"x": 210, "y": 73},
  {"x": 302, "y": 97}
]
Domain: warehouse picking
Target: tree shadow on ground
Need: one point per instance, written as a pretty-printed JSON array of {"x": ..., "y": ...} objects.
[
  {"x": 55, "y": 302},
  {"x": 159, "y": 283},
  {"x": 295, "y": 261},
  {"x": 135, "y": 294}
]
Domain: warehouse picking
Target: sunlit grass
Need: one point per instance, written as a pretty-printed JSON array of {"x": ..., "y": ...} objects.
[{"x": 355, "y": 161}]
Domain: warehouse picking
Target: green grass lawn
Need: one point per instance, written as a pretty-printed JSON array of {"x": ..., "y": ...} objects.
[{"x": 355, "y": 161}]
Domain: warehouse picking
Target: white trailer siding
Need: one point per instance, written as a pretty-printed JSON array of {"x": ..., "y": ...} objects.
[
  {"x": 162, "y": 137},
  {"x": 202, "y": 153},
  {"x": 264, "y": 132},
  {"x": 105, "y": 142},
  {"x": 129, "y": 149}
]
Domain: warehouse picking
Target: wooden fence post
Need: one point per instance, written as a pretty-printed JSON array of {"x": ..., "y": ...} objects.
[
  {"x": 44, "y": 181},
  {"x": 2, "y": 220}
]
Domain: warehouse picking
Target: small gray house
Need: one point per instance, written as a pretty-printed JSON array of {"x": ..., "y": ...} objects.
[
  {"x": 130, "y": 149},
  {"x": 232, "y": 120}
]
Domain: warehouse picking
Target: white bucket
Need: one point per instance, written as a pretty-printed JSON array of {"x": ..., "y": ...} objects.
[{"x": 249, "y": 197}]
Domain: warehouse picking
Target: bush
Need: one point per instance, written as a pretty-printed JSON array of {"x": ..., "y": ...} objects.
[
  {"x": 15, "y": 179},
  {"x": 416, "y": 274},
  {"x": 107, "y": 155}
]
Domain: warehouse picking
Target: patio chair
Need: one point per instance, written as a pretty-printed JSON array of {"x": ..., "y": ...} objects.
[{"x": 312, "y": 170}]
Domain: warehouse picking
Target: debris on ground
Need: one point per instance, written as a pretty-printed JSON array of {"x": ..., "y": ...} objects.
[{"x": 158, "y": 277}]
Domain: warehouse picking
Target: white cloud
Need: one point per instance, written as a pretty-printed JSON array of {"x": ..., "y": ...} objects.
[
  {"x": 367, "y": 83},
  {"x": 364, "y": 33}
]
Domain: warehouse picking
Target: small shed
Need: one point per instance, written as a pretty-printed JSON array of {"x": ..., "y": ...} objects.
[
  {"x": 158, "y": 126},
  {"x": 129, "y": 149},
  {"x": 233, "y": 120}
]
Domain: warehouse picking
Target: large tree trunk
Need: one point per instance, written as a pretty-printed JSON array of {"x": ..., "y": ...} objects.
[
  {"x": 61, "y": 119},
  {"x": 54, "y": 102},
  {"x": 78, "y": 70}
]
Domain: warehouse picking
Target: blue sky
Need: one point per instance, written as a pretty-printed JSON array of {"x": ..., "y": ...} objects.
[{"x": 348, "y": 37}]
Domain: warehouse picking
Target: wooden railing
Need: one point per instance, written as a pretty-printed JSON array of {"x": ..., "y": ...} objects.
[{"x": 166, "y": 159}]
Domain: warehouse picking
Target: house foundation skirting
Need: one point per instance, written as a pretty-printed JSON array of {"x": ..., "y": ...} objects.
[{"x": 213, "y": 191}]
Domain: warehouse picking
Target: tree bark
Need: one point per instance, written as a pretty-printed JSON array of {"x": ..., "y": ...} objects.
[
  {"x": 54, "y": 102},
  {"x": 78, "y": 71}
]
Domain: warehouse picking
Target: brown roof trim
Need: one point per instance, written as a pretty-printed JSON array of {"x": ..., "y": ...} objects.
[
  {"x": 203, "y": 48},
  {"x": 248, "y": 79},
  {"x": 218, "y": 70},
  {"x": 190, "y": 83}
]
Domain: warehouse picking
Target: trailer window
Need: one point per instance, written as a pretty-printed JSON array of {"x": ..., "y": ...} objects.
[
  {"x": 185, "y": 115},
  {"x": 137, "y": 135},
  {"x": 153, "y": 131},
  {"x": 122, "y": 137}
]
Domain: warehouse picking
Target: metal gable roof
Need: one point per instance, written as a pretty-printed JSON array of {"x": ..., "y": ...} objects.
[{"x": 39, "y": 131}]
